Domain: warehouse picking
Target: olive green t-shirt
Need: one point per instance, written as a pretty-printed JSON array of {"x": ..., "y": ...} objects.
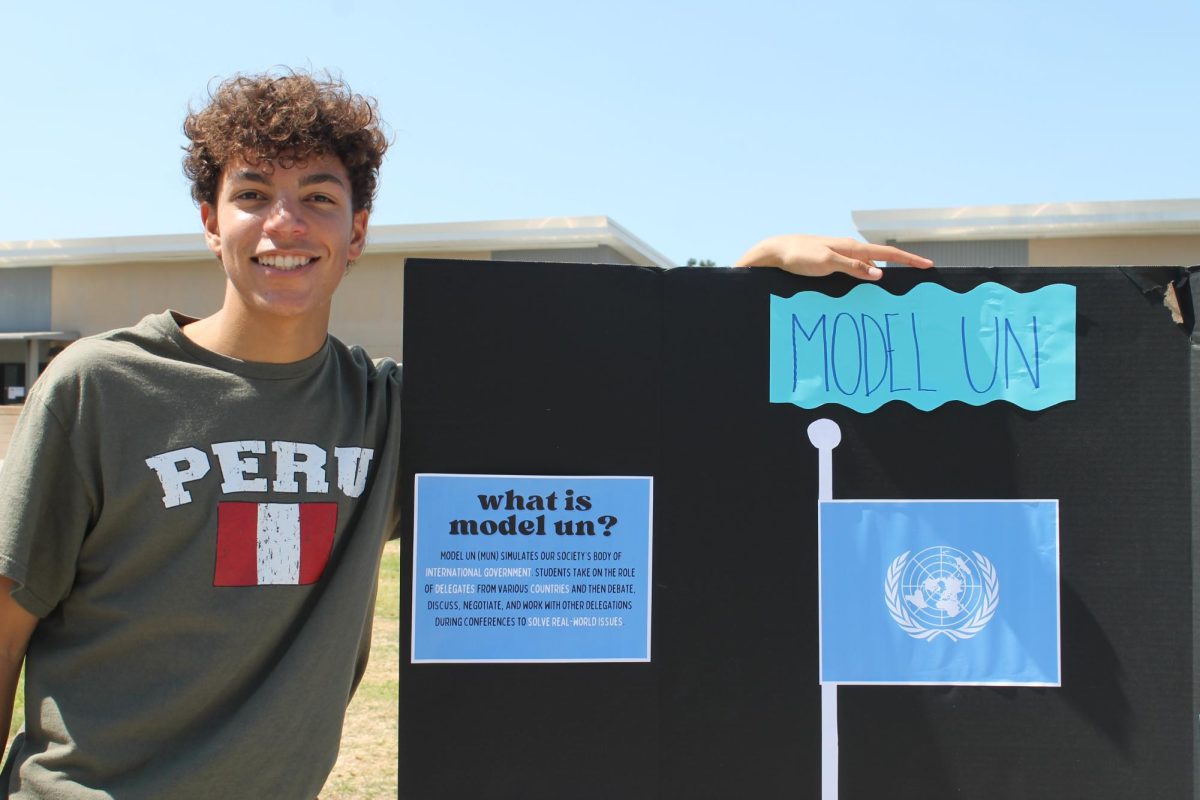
[{"x": 200, "y": 537}]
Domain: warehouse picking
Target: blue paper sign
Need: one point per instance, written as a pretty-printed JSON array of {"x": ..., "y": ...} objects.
[
  {"x": 924, "y": 348},
  {"x": 518, "y": 568},
  {"x": 940, "y": 592}
]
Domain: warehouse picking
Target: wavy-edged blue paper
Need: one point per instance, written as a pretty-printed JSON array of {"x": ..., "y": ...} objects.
[{"x": 925, "y": 348}]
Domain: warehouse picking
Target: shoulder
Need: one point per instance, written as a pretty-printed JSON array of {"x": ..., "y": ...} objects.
[
  {"x": 372, "y": 370},
  {"x": 151, "y": 336},
  {"x": 94, "y": 359}
]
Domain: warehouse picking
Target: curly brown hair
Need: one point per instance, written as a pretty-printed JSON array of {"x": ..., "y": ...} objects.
[{"x": 283, "y": 119}]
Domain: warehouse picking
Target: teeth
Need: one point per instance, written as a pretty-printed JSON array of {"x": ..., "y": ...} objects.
[{"x": 283, "y": 262}]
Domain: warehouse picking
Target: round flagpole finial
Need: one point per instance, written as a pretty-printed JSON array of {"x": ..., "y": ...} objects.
[{"x": 824, "y": 434}]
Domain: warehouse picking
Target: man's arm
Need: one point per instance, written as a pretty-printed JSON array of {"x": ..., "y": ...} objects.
[
  {"x": 16, "y": 626},
  {"x": 823, "y": 255}
]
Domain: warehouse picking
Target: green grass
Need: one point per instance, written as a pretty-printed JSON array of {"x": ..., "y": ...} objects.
[
  {"x": 18, "y": 717},
  {"x": 387, "y": 603},
  {"x": 367, "y": 767}
]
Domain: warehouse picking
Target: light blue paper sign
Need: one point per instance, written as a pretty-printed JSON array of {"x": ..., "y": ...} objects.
[
  {"x": 924, "y": 348},
  {"x": 940, "y": 592},
  {"x": 510, "y": 568}
]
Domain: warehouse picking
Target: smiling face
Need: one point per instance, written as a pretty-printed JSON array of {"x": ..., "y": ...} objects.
[{"x": 285, "y": 237}]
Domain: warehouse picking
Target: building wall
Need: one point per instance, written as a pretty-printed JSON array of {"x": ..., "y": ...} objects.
[
  {"x": 1143, "y": 251},
  {"x": 601, "y": 254},
  {"x": 99, "y": 297},
  {"x": 25, "y": 299},
  {"x": 1099, "y": 251},
  {"x": 13, "y": 352},
  {"x": 972, "y": 252}
]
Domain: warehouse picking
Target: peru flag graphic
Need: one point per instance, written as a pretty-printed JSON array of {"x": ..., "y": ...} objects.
[{"x": 260, "y": 544}]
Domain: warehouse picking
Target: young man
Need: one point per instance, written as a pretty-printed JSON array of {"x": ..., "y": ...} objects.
[{"x": 192, "y": 510}]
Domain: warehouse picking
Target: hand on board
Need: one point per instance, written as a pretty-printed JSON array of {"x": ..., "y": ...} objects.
[{"x": 823, "y": 255}]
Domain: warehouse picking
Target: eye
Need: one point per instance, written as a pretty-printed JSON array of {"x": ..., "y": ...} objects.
[
  {"x": 322, "y": 198},
  {"x": 248, "y": 194}
]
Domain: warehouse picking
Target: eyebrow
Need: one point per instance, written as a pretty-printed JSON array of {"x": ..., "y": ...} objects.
[
  {"x": 321, "y": 177},
  {"x": 308, "y": 180},
  {"x": 250, "y": 175}
]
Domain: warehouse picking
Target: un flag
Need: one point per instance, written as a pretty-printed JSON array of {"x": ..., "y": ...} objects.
[{"x": 940, "y": 592}]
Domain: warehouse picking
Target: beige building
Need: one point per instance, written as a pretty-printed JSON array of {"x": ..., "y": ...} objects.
[{"x": 1128, "y": 233}]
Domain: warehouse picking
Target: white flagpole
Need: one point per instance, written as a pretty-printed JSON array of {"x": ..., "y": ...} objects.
[{"x": 826, "y": 435}]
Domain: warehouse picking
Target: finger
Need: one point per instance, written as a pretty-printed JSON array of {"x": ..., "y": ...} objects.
[
  {"x": 898, "y": 256},
  {"x": 863, "y": 252},
  {"x": 853, "y": 266}
]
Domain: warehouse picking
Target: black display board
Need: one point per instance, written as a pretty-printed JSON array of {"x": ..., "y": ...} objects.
[{"x": 548, "y": 369}]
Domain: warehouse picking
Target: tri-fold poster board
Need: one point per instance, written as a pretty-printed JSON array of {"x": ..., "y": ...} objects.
[{"x": 712, "y": 533}]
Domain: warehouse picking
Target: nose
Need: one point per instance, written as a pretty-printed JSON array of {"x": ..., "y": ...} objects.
[{"x": 286, "y": 217}]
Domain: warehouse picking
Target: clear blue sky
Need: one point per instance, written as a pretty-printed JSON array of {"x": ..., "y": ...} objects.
[{"x": 700, "y": 126}]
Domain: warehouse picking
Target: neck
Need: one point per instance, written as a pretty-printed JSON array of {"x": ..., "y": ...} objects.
[{"x": 266, "y": 339}]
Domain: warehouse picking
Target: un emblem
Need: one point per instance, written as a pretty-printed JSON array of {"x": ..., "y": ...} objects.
[{"x": 941, "y": 591}]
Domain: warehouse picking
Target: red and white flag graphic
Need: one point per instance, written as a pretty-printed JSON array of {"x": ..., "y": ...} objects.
[{"x": 259, "y": 544}]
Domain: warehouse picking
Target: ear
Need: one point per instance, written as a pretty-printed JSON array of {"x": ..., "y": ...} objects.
[
  {"x": 358, "y": 233},
  {"x": 212, "y": 232}
]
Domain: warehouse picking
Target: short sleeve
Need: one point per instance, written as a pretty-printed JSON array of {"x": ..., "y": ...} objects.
[{"x": 46, "y": 509}]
